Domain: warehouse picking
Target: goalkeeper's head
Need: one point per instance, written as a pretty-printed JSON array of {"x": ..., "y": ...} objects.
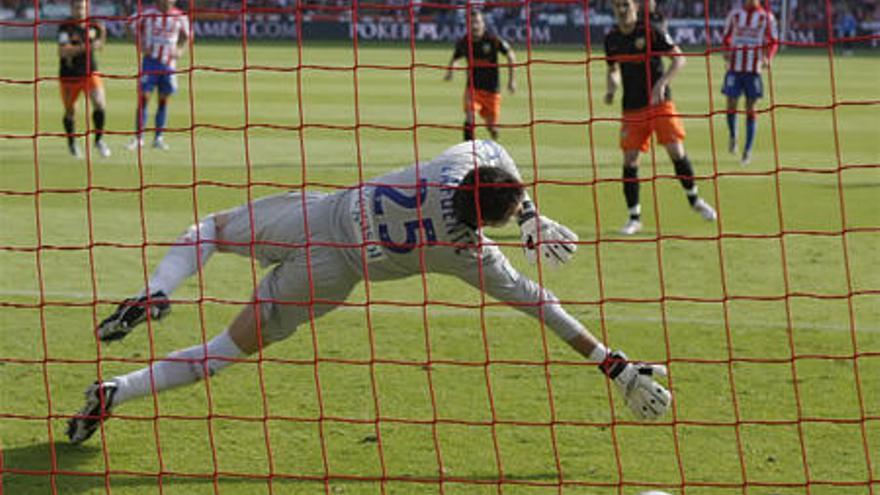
[{"x": 487, "y": 196}]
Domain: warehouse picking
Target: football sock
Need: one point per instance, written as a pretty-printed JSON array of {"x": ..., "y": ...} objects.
[
  {"x": 68, "y": 129},
  {"x": 179, "y": 368},
  {"x": 161, "y": 118},
  {"x": 635, "y": 212},
  {"x": 98, "y": 119},
  {"x": 751, "y": 125},
  {"x": 731, "y": 123},
  {"x": 182, "y": 260},
  {"x": 468, "y": 131},
  {"x": 631, "y": 191},
  {"x": 685, "y": 172},
  {"x": 140, "y": 119},
  {"x": 693, "y": 194}
]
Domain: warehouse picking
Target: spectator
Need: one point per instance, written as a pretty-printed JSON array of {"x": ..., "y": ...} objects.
[{"x": 846, "y": 28}]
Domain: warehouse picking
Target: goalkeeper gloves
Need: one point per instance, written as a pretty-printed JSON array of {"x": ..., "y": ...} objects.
[
  {"x": 644, "y": 396},
  {"x": 557, "y": 242}
]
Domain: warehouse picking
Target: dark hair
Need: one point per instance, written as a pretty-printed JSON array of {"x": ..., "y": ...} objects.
[{"x": 497, "y": 189}]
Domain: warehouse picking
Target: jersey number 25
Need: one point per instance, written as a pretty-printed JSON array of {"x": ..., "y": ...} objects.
[{"x": 411, "y": 227}]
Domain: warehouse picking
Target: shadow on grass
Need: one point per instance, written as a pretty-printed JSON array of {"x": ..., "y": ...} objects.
[{"x": 79, "y": 471}]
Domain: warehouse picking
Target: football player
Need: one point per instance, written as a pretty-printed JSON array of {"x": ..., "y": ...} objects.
[
  {"x": 750, "y": 41},
  {"x": 482, "y": 92},
  {"x": 633, "y": 50},
  {"x": 79, "y": 39},
  {"x": 430, "y": 217},
  {"x": 161, "y": 33}
]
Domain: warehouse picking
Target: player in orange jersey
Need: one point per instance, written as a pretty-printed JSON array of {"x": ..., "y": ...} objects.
[
  {"x": 78, "y": 40},
  {"x": 482, "y": 94},
  {"x": 647, "y": 104}
]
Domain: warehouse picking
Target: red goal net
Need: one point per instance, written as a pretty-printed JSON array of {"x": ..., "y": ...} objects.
[{"x": 767, "y": 319}]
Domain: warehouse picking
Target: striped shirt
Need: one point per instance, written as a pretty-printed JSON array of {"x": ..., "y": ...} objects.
[
  {"x": 159, "y": 32},
  {"x": 750, "y": 36}
]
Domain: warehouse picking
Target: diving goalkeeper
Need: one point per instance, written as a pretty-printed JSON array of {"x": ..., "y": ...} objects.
[{"x": 428, "y": 217}]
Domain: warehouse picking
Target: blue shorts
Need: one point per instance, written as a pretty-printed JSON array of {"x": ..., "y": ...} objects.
[
  {"x": 737, "y": 83},
  {"x": 155, "y": 74}
]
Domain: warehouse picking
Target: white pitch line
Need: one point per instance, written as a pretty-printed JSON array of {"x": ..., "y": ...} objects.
[
  {"x": 553, "y": 171},
  {"x": 502, "y": 312}
]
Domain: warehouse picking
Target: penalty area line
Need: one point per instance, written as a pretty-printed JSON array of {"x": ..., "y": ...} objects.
[{"x": 505, "y": 312}]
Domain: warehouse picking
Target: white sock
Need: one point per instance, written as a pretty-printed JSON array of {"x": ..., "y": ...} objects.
[
  {"x": 182, "y": 260},
  {"x": 635, "y": 210},
  {"x": 180, "y": 368},
  {"x": 600, "y": 352}
]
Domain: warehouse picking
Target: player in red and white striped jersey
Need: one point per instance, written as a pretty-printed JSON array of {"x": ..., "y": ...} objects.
[
  {"x": 161, "y": 33},
  {"x": 750, "y": 41}
]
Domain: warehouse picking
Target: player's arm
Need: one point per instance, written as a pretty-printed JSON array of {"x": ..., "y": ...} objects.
[
  {"x": 183, "y": 39},
  {"x": 771, "y": 40},
  {"x": 132, "y": 25},
  {"x": 511, "y": 65},
  {"x": 67, "y": 49},
  {"x": 612, "y": 81},
  {"x": 459, "y": 53},
  {"x": 612, "y": 76},
  {"x": 134, "y": 29},
  {"x": 727, "y": 40},
  {"x": 500, "y": 280},
  {"x": 645, "y": 397},
  {"x": 101, "y": 39},
  {"x": 662, "y": 43},
  {"x": 677, "y": 61},
  {"x": 449, "y": 68}
]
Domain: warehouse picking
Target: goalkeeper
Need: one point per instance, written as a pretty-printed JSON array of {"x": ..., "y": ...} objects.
[{"x": 428, "y": 217}]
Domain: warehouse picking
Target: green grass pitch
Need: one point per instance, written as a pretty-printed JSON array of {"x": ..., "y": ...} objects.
[{"x": 773, "y": 338}]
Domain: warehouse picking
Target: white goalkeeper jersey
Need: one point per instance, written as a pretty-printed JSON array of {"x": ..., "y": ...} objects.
[{"x": 406, "y": 224}]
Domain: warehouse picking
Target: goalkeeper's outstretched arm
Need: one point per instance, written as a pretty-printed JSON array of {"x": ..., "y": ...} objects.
[{"x": 646, "y": 398}]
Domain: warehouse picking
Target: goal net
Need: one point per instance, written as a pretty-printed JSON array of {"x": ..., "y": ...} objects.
[{"x": 767, "y": 318}]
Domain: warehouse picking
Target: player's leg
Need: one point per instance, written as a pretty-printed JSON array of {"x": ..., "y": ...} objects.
[
  {"x": 191, "y": 251},
  {"x": 140, "y": 119},
  {"x": 732, "y": 143},
  {"x": 671, "y": 134},
  {"x": 147, "y": 83},
  {"x": 288, "y": 297},
  {"x": 161, "y": 120},
  {"x": 490, "y": 110},
  {"x": 631, "y": 188},
  {"x": 70, "y": 90},
  {"x": 167, "y": 86},
  {"x": 471, "y": 106},
  {"x": 99, "y": 105},
  {"x": 684, "y": 170},
  {"x": 751, "y": 128},
  {"x": 635, "y": 135},
  {"x": 732, "y": 90},
  {"x": 179, "y": 368},
  {"x": 753, "y": 87},
  {"x": 270, "y": 229}
]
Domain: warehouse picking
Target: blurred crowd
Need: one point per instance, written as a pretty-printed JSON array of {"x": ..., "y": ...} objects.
[{"x": 801, "y": 13}]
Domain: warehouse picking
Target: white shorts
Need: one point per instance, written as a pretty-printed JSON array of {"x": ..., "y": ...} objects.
[{"x": 312, "y": 276}]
